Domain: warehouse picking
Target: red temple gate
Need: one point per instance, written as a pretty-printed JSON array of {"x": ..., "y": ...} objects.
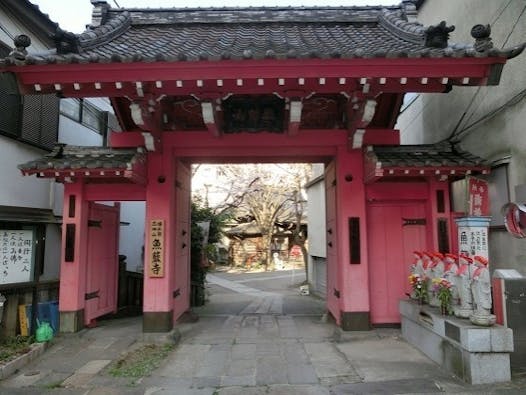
[{"x": 267, "y": 85}]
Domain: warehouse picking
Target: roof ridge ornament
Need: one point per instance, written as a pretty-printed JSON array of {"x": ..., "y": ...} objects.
[
  {"x": 19, "y": 52},
  {"x": 99, "y": 15},
  {"x": 66, "y": 42},
  {"x": 410, "y": 11},
  {"x": 484, "y": 44},
  {"x": 481, "y": 34},
  {"x": 436, "y": 36}
]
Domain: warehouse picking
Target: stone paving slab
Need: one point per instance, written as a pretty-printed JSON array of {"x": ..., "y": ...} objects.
[
  {"x": 184, "y": 362},
  {"x": 416, "y": 386},
  {"x": 276, "y": 390}
]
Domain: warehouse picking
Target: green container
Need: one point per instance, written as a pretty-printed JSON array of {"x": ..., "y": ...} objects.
[{"x": 44, "y": 332}]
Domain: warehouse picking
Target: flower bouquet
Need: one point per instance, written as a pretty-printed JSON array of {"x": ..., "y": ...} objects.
[
  {"x": 419, "y": 285},
  {"x": 442, "y": 289}
]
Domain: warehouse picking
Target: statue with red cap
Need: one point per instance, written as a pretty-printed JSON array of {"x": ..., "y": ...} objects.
[
  {"x": 481, "y": 290},
  {"x": 450, "y": 274},
  {"x": 463, "y": 281}
]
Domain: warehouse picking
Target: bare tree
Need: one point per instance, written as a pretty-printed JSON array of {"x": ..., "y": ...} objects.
[{"x": 267, "y": 194}]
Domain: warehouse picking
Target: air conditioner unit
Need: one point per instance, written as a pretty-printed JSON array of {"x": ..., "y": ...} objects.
[{"x": 509, "y": 297}]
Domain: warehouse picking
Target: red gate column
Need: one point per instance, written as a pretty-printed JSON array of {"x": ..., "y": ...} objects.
[
  {"x": 352, "y": 241},
  {"x": 159, "y": 254},
  {"x": 73, "y": 258}
]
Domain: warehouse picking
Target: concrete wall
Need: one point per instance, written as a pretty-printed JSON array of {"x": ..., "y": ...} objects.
[{"x": 487, "y": 121}]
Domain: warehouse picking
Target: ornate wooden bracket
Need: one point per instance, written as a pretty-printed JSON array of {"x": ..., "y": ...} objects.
[
  {"x": 295, "y": 108},
  {"x": 360, "y": 112},
  {"x": 211, "y": 117},
  {"x": 146, "y": 113}
]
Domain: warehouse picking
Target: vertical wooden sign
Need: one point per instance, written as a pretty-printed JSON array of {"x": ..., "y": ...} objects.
[{"x": 156, "y": 266}]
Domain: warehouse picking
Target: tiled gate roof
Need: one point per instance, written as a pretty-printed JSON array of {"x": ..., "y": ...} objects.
[
  {"x": 75, "y": 161},
  {"x": 441, "y": 159},
  {"x": 126, "y": 35}
]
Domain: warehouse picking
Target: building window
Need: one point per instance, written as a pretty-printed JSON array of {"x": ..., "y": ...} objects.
[
  {"x": 5, "y": 50},
  {"x": 10, "y": 106},
  {"x": 71, "y": 108},
  {"x": 32, "y": 119},
  {"x": 85, "y": 113},
  {"x": 40, "y": 120},
  {"x": 409, "y": 98}
]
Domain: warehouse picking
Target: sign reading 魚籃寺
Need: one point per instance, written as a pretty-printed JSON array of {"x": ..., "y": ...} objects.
[
  {"x": 16, "y": 256},
  {"x": 156, "y": 266}
]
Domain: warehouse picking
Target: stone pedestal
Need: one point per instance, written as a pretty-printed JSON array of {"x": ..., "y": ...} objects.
[
  {"x": 477, "y": 355},
  {"x": 483, "y": 319}
]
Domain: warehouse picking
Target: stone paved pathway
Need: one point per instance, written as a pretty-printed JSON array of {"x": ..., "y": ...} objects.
[{"x": 248, "y": 341}]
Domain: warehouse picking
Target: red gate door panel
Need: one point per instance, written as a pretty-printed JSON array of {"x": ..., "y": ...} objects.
[
  {"x": 182, "y": 240},
  {"x": 395, "y": 231},
  {"x": 103, "y": 261},
  {"x": 333, "y": 302}
]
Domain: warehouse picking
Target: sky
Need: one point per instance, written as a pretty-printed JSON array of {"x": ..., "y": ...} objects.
[{"x": 74, "y": 15}]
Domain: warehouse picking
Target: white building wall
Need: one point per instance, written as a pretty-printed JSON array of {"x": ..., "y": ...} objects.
[
  {"x": 487, "y": 121},
  {"x": 17, "y": 190},
  {"x": 316, "y": 210},
  {"x": 317, "y": 234}
]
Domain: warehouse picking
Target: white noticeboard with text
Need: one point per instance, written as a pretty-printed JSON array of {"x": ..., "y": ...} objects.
[{"x": 16, "y": 255}]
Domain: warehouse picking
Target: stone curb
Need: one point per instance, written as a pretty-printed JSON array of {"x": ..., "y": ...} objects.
[{"x": 11, "y": 367}]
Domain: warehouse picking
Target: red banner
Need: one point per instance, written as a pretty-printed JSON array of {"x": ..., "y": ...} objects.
[{"x": 478, "y": 197}]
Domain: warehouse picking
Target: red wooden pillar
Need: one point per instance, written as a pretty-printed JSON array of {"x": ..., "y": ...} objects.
[
  {"x": 352, "y": 241},
  {"x": 73, "y": 258},
  {"x": 159, "y": 252},
  {"x": 182, "y": 228}
]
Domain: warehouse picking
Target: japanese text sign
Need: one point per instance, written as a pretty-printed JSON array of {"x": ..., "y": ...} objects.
[
  {"x": 473, "y": 241},
  {"x": 156, "y": 264},
  {"x": 16, "y": 256},
  {"x": 478, "y": 197}
]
